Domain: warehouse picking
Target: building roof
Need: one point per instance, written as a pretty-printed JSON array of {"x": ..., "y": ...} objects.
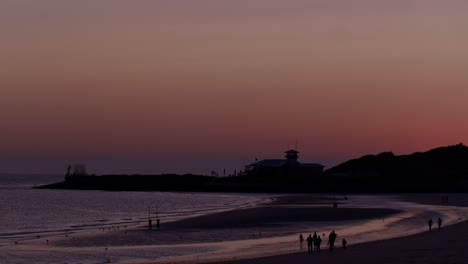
[
  {"x": 270, "y": 163},
  {"x": 311, "y": 165}
]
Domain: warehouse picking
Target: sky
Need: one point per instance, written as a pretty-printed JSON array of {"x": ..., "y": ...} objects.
[{"x": 181, "y": 86}]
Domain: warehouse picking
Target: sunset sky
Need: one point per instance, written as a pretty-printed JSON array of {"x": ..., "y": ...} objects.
[{"x": 200, "y": 85}]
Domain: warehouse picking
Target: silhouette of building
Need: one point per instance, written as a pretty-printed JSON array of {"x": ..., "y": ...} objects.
[{"x": 290, "y": 168}]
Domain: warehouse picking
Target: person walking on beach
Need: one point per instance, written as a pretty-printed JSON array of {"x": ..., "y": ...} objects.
[
  {"x": 314, "y": 239},
  {"x": 301, "y": 241},
  {"x": 331, "y": 240},
  {"x": 309, "y": 243},
  {"x": 439, "y": 223},
  {"x": 344, "y": 243},
  {"x": 318, "y": 243},
  {"x": 429, "y": 223}
]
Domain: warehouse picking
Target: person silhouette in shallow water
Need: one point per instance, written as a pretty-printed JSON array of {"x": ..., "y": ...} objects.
[
  {"x": 301, "y": 239},
  {"x": 439, "y": 223},
  {"x": 429, "y": 223},
  {"x": 331, "y": 240},
  {"x": 309, "y": 243}
]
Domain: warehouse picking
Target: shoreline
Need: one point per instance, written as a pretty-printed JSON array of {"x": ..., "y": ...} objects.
[
  {"x": 269, "y": 236},
  {"x": 259, "y": 222},
  {"x": 276, "y": 211},
  {"x": 207, "y": 231},
  {"x": 444, "y": 246}
]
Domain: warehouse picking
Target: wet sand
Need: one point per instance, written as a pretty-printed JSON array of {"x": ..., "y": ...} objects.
[
  {"x": 445, "y": 246},
  {"x": 228, "y": 226},
  {"x": 138, "y": 245},
  {"x": 454, "y": 199},
  {"x": 275, "y": 215}
]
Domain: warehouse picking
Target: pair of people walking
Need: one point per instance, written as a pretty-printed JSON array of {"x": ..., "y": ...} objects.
[
  {"x": 331, "y": 240},
  {"x": 439, "y": 223},
  {"x": 317, "y": 242},
  {"x": 312, "y": 242}
]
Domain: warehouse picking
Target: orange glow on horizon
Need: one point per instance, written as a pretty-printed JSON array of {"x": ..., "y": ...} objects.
[{"x": 229, "y": 80}]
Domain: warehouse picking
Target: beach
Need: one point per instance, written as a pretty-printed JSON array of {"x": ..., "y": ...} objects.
[
  {"x": 234, "y": 225},
  {"x": 268, "y": 233},
  {"x": 445, "y": 246}
]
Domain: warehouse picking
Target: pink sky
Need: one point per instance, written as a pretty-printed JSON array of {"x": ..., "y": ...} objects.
[{"x": 195, "y": 86}]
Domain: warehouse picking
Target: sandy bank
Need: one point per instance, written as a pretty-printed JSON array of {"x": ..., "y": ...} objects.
[
  {"x": 437, "y": 247},
  {"x": 230, "y": 225},
  {"x": 444, "y": 247},
  {"x": 271, "y": 229}
]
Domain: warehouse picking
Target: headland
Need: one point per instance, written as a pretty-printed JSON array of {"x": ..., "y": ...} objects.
[{"x": 440, "y": 170}]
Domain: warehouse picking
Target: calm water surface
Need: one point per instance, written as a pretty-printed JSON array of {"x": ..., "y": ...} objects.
[{"x": 27, "y": 212}]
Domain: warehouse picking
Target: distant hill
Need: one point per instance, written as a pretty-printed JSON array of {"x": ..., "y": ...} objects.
[
  {"x": 436, "y": 169},
  {"x": 442, "y": 170}
]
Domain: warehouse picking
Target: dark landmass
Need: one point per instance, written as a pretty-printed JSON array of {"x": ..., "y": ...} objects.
[{"x": 442, "y": 169}]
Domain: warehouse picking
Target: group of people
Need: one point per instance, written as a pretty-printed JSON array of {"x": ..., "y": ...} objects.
[
  {"x": 315, "y": 241},
  {"x": 429, "y": 223}
]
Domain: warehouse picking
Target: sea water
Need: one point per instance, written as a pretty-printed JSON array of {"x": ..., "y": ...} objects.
[{"x": 26, "y": 214}]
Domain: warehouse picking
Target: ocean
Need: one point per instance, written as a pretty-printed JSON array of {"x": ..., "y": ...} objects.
[
  {"x": 27, "y": 213},
  {"x": 29, "y": 218}
]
